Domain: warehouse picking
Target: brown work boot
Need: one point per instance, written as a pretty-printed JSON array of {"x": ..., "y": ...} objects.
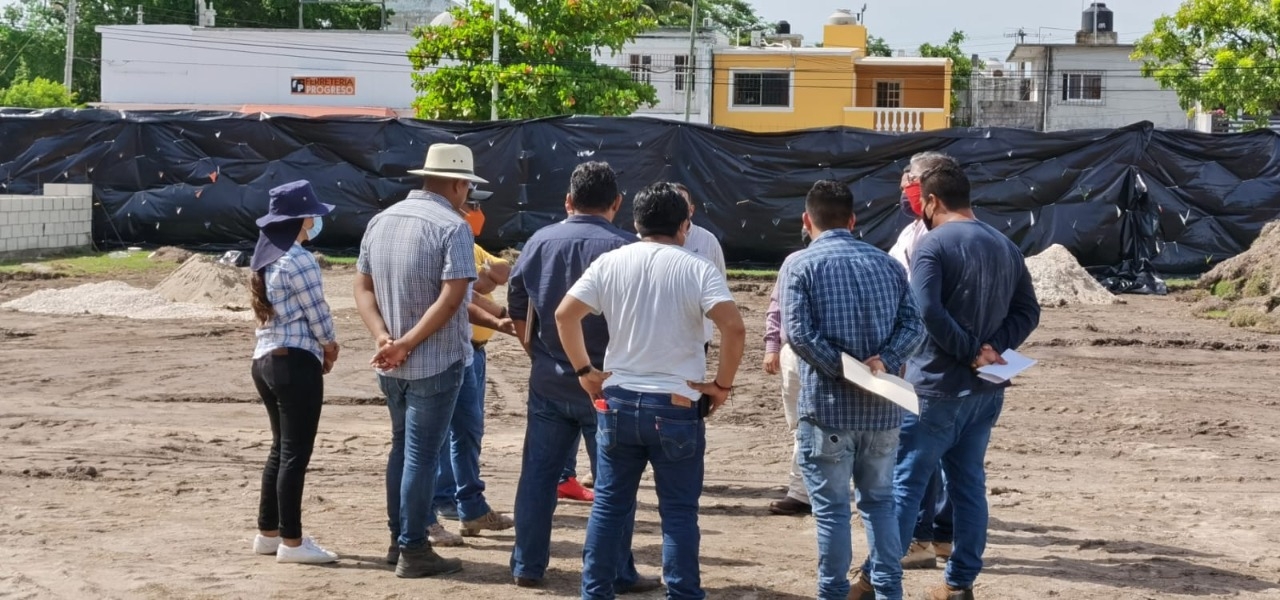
[
  {"x": 492, "y": 520},
  {"x": 943, "y": 550},
  {"x": 860, "y": 586},
  {"x": 789, "y": 507},
  {"x": 946, "y": 592},
  {"x": 424, "y": 562},
  {"x": 920, "y": 555}
]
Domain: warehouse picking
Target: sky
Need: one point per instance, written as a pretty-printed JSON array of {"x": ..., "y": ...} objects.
[{"x": 908, "y": 23}]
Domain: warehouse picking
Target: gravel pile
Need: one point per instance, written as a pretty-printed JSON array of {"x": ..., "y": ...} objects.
[
  {"x": 116, "y": 299},
  {"x": 1060, "y": 280}
]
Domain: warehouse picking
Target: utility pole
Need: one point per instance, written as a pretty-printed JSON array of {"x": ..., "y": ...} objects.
[
  {"x": 71, "y": 44},
  {"x": 300, "y": 14},
  {"x": 493, "y": 91},
  {"x": 140, "y": 15},
  {"x": 688, "y": 63}
]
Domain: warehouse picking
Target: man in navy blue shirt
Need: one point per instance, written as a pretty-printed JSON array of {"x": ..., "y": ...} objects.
[
  {"x": 977, "y": 301},
  {"x": 559, "y": 410}
]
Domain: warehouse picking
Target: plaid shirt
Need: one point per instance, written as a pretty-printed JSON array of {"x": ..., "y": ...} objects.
[
  {"x": 410, "y": 250},
  {"x": 302, "y": 318},
  {"x": 842, "y": 296}
]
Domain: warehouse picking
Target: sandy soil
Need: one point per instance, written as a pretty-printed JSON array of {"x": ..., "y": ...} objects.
[{"x": 1139, "y": 460}]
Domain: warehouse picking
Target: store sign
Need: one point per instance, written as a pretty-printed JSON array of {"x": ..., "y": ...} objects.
[{"x": 322, "y": 86}]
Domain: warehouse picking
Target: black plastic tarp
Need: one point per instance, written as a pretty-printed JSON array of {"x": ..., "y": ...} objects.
[{"x": 1125, "y": 201}]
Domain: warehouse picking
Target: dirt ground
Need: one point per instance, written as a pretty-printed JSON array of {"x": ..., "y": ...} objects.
[{"x": 1138, "y": 460}]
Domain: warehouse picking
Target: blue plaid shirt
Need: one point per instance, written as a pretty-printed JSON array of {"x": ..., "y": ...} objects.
[
  {"x": 843, "y": 296},
  {"x": 302, "y": 318}
]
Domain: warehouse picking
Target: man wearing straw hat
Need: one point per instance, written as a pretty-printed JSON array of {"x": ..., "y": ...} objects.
[{"x": 415, "y": 272}]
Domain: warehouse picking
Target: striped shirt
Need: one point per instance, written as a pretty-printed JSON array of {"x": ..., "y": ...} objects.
[
  {"x": 302, "y": 318},
  {"x": 843, "y": 296},
  {"x": 410, "y": 250}
]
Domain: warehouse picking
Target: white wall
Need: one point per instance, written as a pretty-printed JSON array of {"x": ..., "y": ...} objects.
[
  {"x": 662, "y": 46},
  {"x": 181, "y": 64},
  {"x": 1127, "y": 96},
  {"x": 59, "y": 220}
]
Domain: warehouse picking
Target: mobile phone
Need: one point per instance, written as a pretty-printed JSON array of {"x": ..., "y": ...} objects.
[{"x": 704, "y": 406}]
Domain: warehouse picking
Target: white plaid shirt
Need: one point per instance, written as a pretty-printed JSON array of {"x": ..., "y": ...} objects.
[{"x": 302, "y": 318}]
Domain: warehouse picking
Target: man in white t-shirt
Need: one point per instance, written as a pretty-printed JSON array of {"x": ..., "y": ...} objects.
[
  {"x": 653, "y": 295},
  {"x": 703, "y": 243}
]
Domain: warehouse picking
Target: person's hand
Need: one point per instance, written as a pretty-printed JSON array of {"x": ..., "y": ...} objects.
[
  {"x": 988, "y": 356},
  {"x": 328, "y": 366},
  {"x": 593, "y": 382},
  {"x": 507, "y": 326},
  {"x": 712, "y": 390},
  {"x": 875, "y": 364},
  {"x": 391, "y": 355},
  {"x": 772, "y": 363},
  {"x": 331, "y": 352}
]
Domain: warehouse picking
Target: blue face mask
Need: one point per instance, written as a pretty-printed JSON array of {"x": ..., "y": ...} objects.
[{"x": 317, "y": 226}]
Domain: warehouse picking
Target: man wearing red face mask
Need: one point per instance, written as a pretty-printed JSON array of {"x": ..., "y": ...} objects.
[
  {"x": 459, "y": 489},
  {"x": 910, "y": 185}
]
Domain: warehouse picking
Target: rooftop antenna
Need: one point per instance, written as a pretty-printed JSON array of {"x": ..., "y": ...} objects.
[
  {"x": 862, "y": 15},
  {"x": 1021, "y": 34}
]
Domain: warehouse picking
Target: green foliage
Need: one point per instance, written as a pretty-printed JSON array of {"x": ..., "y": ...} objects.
[
  {"x": 36, "y": 93},
  {"x": 1258, "y": 285},
  {"x": 876, "y": 46},
  {"x": 961, "y": 65},
  {"x": 726, "y": 15},
  {"x": 1218, "y": 54},
  {"x": 35, "y": 30},
  {"x": 1227, "y": 288},
  {"x": 546, "y": 57}
]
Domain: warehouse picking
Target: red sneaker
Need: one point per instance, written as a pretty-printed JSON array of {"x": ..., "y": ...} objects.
[{"x": 572, "y": 490}]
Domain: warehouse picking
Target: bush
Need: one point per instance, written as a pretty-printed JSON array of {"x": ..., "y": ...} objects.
[{"x": 37, "y": 93}]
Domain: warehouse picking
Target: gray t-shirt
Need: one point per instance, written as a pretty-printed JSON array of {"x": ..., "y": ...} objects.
[{"x": 410, "y": 249}]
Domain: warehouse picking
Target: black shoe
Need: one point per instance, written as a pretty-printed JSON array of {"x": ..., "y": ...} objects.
[
  {"x": 393, "y": 551},
  {"x": 424, "y": 562},
  {"x": 527, "y": 582},
  {"x": 642, "y": 584},
  {"x": 789, "y": 507}
]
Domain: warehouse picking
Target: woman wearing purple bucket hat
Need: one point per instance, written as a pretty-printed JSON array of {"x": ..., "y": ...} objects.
[{"x": 296, "y": 348}]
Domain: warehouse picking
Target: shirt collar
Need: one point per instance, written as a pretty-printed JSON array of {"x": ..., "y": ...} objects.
[
  {"x": 588, "y": 219},
  {"x": 432, "y": 197},
  {"x": 833, "y": 234}
]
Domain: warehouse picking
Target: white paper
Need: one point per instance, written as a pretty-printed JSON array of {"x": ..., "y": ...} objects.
[
  {"x": 1017, "y": 363},
  {"x": 893, "y": 389}
]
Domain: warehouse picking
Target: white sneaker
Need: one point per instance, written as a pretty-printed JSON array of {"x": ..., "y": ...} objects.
[
  {"x": 307, "y": 553},
  {"x": 439, "y": 536},
  {"x": 265, "y": 545}
]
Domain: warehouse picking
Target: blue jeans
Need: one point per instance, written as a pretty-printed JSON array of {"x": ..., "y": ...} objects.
[
  {"x": 639, "y": 429},
  {"x": 934, "y": 521},
  {"x": 571, "y": 466},
  {"x": 955, "y": 431},
  {"x": 829, "y": 458},
  {"x": 458, "y": 480},
  {"x": 420, "y": 413},
  {"x": 551, "y": 434}
]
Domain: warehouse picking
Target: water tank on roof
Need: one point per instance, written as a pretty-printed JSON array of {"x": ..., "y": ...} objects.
[
  {"x": 784, "y": 28},
  {"x": 1098, "y": 14},
  {"x": 842, "y": 17}
]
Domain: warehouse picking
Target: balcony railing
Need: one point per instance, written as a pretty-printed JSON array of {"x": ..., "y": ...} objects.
[{"x": 896, "y": 120}]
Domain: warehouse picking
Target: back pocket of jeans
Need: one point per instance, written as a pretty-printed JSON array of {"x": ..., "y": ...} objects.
[
  {"x": 679, "y": 438},
  {"x": 606, "y": 428}
]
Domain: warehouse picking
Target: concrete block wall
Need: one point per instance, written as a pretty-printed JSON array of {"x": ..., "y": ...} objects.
[{"x": 61, "y": 219}]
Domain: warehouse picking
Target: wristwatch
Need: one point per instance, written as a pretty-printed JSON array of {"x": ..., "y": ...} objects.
[{"x": 583, "y": 371}]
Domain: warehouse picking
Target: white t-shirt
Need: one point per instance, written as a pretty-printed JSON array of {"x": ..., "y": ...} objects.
[
  {"x": 907, "y": 242},
  {"x": 654, "y": 297},
  {"x": 704, "y": 244}
]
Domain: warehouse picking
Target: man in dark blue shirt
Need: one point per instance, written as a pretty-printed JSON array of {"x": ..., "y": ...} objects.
[
  {"x": 977, "y": 301},
  {"x": 559, "y": 410}
]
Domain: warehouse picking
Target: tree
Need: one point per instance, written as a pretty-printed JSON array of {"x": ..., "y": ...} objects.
[
  {"x": 25, "y": 92},
  {"x": 547, "y": 63},
  {"x": 1218, "y": 54},
  {"x": 876, "y": 46},
  {"x": 728, "y": 16},
  {"x": 961, "y": 66}
]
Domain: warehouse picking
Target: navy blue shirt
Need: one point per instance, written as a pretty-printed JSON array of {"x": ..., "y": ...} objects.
[
  {"x": 551, "y": 262},
  {"x": 973, "y": 288}
]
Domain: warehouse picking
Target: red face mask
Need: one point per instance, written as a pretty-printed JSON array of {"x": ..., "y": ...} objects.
[{"x": 913, "y": 197}]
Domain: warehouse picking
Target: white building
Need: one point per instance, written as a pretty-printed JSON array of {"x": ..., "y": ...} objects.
[
  {"x": 1091, "y": 84},
  {"x": 661, "y": 59},
  {"x": 326, "y": 72}
]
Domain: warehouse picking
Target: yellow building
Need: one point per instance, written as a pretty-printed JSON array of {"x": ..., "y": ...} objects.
[{"x": 783, "y": 87}]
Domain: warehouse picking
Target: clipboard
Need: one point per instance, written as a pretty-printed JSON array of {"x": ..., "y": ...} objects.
[{"x": 528, "y": 325}]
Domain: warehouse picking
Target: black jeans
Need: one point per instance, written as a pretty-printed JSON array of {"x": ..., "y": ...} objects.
[{"x": 291, "y": 383}]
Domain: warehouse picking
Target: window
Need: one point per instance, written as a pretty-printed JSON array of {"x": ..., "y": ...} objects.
[
  {"x": 641, "y": 68},
  {"x": 1085, "y": 87},
  {"x": 684, "y": 73},
  {"x": 888, "y": 94},
  {"x": 1024, "y": 90},
  {"x": 762, "y": 89}
]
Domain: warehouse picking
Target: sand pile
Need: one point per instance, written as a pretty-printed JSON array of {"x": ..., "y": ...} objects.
[
  {"x": 171, "y": 254},
  {"x": 116, "y": 299},
  {"x": 1060, "y": 280},
  {"x": 1245, "y": 289},
  {"x": 202, "y": 280}
]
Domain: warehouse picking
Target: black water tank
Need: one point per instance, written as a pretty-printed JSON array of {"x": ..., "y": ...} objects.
[
  {"x": 784, "y": 28},
  {"x": 1100, "y": 14}
]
